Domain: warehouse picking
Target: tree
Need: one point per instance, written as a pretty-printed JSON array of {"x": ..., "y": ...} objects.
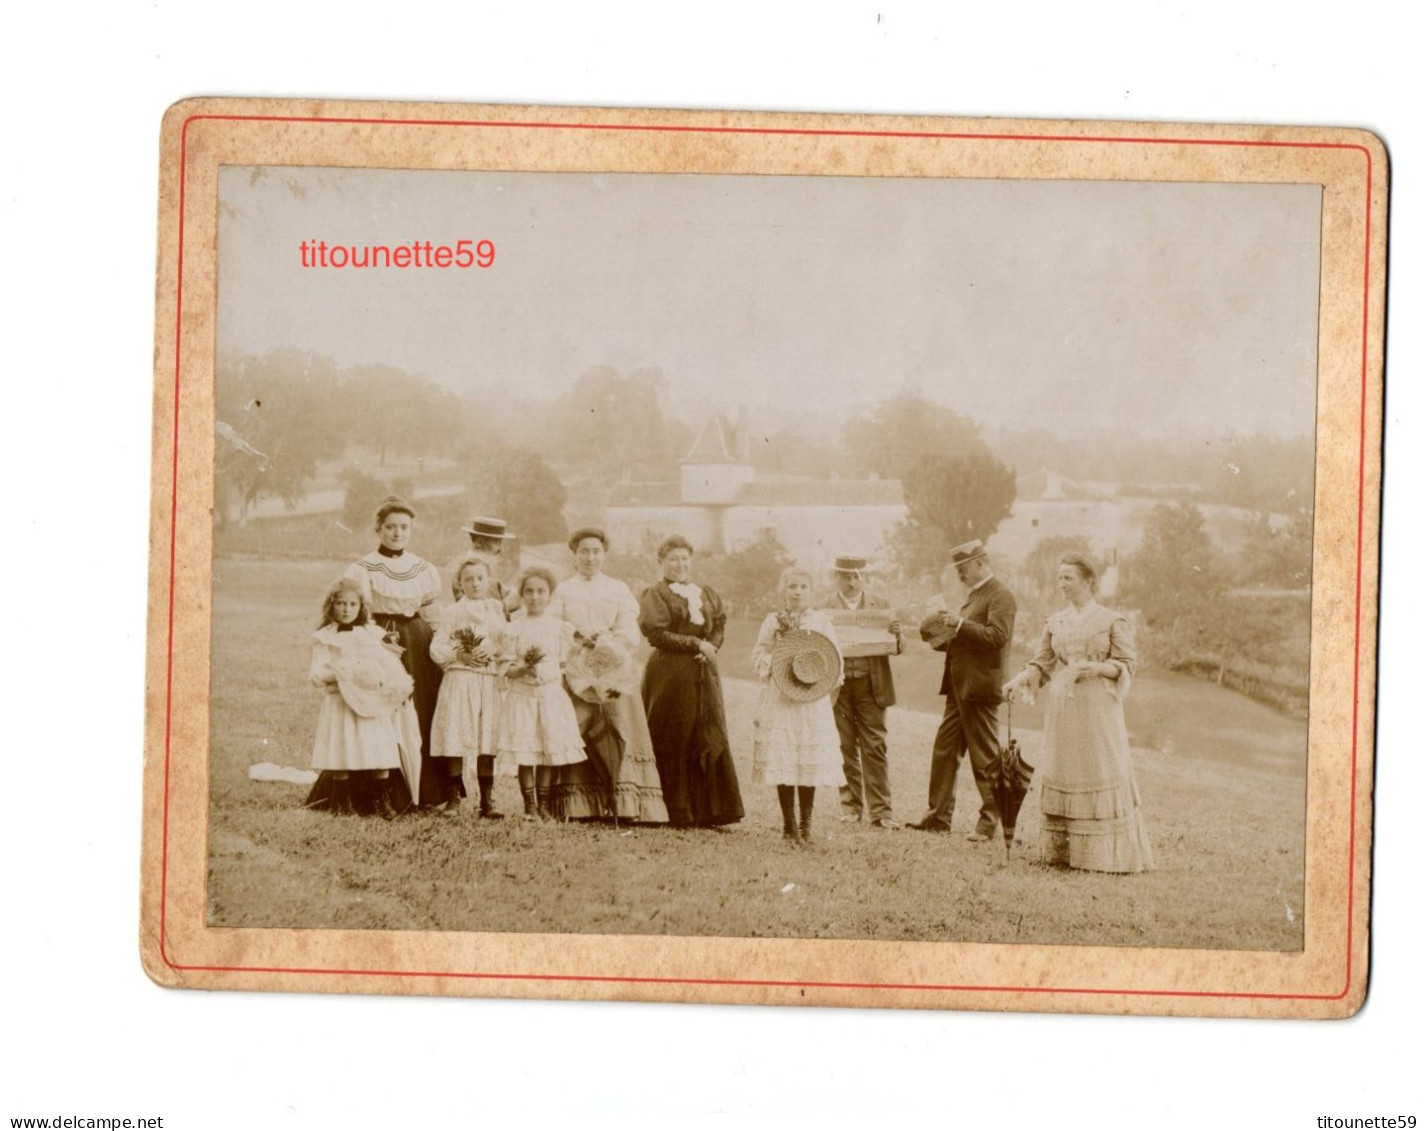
[
  {"x": 1172, "y": 575},
  {"x": 517, "y": 484},
  {"x": 1040, "y": 566},
  {"x": 395, "y": 411},
  {"x": 1260, "y": 472},
  {"x": 954, "y": 488},
  {"x": 278, "y": 415},
  {"x": 363, "y": 494},
  {"x": 747, "y": 578},
  {"x": 899, "y": 432},
  {"x": 1282, "y": 556},
  {"x": 917, "y": 552},
  {"x": 964, "y": 496},
  {"x": 952, "y": 499},
  {"x": 609, "y": 423}
]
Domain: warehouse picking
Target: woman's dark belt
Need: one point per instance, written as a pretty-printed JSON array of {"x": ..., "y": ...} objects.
[{"x": 400, "y": 618}]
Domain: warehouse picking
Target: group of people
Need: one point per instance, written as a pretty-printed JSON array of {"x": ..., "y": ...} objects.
[{"x": 534, "y": 677}]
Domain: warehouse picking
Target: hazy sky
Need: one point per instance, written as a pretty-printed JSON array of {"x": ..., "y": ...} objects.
[{"x": 1055, "y": 304}]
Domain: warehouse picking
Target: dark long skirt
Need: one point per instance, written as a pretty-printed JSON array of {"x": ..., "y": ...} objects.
[
  {"x": 414, "y": 636},
  {"x": 683, "y": 700},
  {"x": 619, "y": 778},
  {"x": 362, "y": 789}
]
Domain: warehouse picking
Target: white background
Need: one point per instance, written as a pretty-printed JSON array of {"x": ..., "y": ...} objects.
[{"x": 87, "y": 1033}]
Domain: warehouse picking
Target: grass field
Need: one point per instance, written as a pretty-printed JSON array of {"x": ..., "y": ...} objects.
[{"x": 1221, "y": 777}]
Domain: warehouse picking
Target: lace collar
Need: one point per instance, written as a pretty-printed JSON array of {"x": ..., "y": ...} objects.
[{"x": 693, "y": 595}]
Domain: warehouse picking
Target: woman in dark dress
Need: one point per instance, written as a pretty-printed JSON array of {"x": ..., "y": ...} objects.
[
  {"x": 402, "y": 591},
  {"x": 683, "y": 698}
]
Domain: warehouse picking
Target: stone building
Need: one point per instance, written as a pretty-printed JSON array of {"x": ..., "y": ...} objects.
[{"x": 722, "y": 503}]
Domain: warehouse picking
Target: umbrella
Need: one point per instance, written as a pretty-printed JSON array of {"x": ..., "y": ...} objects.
[
  {"x": 1012, "y": 782},
  {"x": 408, "y": 735}
]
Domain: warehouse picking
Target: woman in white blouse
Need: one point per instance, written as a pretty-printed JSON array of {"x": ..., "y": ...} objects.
[
  {"x": 619, "y": 777},
  {"x": 401, "y": 591}
]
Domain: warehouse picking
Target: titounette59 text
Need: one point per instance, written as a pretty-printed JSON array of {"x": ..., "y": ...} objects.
[{"x": 463, "y": 254}]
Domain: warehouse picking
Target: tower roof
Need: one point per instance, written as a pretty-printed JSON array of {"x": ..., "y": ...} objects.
[{"x": 713, "y": 444}]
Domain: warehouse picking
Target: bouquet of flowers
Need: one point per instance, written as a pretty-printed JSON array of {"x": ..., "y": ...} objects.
[
  {"x": 526, "y": 664},
  {"x": 788, "y": 621},
  {"x": 467, "y": 632},
  {"x": 601, "y": 669},
  {"x": 467, "y": 638}
]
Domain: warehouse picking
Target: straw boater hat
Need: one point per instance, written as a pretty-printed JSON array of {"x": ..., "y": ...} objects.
[
  {"x": 849, "y": 563},
  {"x": 487, "y": 528},
  {"x": 805, "y": 665},
  {"x": 967, "y": 551}
]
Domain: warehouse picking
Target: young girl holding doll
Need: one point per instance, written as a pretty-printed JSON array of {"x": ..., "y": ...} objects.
[
  {"x": 467, "y": 646},
  {"x": 537, "y": 729},
  {"x": 795, "y": 740},
  {"x": 366, "y": 722}
]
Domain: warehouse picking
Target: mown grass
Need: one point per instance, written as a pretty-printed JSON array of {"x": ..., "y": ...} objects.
[{"x": 1227, "y": 825}]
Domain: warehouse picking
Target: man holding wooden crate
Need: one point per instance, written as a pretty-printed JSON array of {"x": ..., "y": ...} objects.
[{"x": 868, "y": 633}]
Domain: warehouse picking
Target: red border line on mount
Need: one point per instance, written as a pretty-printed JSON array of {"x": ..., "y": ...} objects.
[{"x": 769, "y": 131}]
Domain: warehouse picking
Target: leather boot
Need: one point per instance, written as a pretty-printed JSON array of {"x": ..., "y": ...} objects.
[
  {"x": 486, "y": 783},
  {"x": 805, "y": 818},
  {"x": 383, "y": 807},
  {"x": 790, "y": 816},
  {"x": 532, "y": 810}
]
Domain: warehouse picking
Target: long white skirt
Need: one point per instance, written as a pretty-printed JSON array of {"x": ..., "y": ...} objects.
[
  {"x": 795, "y": 743},
  {"x": 466, "y": 714},
  {"x": 537, "y": 727}
]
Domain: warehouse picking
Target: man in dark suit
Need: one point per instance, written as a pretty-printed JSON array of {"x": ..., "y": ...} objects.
[
  {"x": 861, "y": 706},
  {"x": 977, "y": 643}
]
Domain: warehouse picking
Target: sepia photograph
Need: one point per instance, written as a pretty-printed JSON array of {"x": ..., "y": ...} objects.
[
  {"x": 909, "y": 559},
  {"x": 846, "y": 289}
]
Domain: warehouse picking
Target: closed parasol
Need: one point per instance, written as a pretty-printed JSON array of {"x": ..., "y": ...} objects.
[{"x": 1011, "y": 784}]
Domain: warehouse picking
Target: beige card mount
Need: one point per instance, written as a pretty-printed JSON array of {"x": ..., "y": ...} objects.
[{"x": 782, "y": 338}]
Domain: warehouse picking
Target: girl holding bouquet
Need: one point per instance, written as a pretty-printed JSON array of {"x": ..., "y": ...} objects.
[
  {"x": 367, "y": 721},
  {"x": 467, "y": 645},
  {"x": 795, "y": 741},
  {"x": 537, "y": 730}
]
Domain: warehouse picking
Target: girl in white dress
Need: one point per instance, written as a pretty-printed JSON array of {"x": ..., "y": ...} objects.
[
  {"x": 537, "y": 730},
  {"x": 795, "y": 744},
  {"x": 467, "y": 645},
  {"x": 348, "y": 646}
]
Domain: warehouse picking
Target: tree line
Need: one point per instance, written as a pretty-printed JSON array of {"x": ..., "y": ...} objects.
[{"x": 283, "y": 414}]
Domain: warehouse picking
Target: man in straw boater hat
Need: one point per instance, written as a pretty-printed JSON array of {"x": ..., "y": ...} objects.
[
  {"x": 860, "y": 709},
  {"x": 977, "y": 643},
  {"x": 489, "y": 536}
]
